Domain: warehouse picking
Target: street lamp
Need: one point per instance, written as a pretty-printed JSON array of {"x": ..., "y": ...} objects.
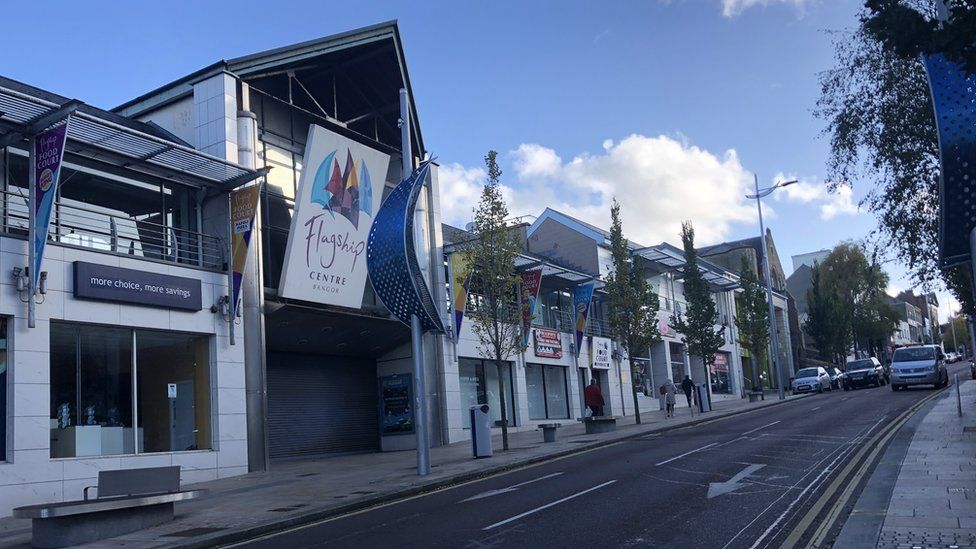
[{"x": 760, "y": 194}]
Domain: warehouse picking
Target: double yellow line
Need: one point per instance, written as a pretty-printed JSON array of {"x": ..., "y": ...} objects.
[{"x": 874, "y": 446}]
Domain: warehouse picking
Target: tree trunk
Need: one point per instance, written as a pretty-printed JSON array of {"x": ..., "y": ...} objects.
[
  {"x": 502, "y": 402},
  {"x": 633, "y": 389}
]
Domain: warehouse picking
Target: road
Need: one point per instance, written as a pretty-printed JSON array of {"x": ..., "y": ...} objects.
[{"x": 741, "y": 482}]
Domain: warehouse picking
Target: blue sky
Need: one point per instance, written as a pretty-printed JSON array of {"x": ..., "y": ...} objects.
[{"x": 668, "y": 105}]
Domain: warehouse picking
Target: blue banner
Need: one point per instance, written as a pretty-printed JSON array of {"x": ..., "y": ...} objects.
[
  {"x": 582, "y": 295},
  {"x": 48, "y": 153}
]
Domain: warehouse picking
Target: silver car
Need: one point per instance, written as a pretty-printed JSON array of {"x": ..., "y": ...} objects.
[
  {"x": 811, "y": 379},
  {"x": 918, "y": 365}
]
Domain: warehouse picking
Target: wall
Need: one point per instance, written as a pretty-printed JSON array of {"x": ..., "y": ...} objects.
[
  {"x": 565, "y": 245},
  {"x": 178, "y": 118}
]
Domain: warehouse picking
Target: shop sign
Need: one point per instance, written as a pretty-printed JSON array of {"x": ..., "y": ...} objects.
[
  {"x": 325, "y": 258},
  {"x": 547, "y": 343},
  {"x": 721, "y": 363},
  {"x": 665, "y": 329},
  {"x": 104, "y": 283},
  {"x": 396, "y": 415},
  {"x": 600, "y": 353}
]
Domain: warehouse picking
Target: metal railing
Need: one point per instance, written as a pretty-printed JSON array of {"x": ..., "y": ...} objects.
[
  {"x": 561, "y": 321},
  {"x": 88, "y": 228}
]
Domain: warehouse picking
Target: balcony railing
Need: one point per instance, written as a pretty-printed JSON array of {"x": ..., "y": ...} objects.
[
  {"x": 560, "y": 321},
  {"x": 88, "y": 228}
]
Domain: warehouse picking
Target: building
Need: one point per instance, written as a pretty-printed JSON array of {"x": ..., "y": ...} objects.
[
  {"x": 130, "y": 362},
  {"x": 797, "y": 285},
  {"x": 928, "y": 305},
  {"x": 809, "y": 259},
  {"x": 910, "y": 325}
]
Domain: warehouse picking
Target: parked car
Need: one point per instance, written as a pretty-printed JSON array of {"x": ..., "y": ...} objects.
[
  {"x": 863, "y": 372},
  {"x": 834, "y": 377},
  {"x": 951, "y": 357},
  {"x": 918, "y": 365},
  {"x": 811, "y": 379}
]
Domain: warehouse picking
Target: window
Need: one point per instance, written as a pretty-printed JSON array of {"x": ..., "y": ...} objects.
[
  {"x": 479, "y": 385},
  {"x": 546, "y": 387},
  {"x": 105, "y": 381}
]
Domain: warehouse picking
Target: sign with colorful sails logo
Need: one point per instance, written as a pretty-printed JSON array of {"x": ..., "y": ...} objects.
[
  {"x": 48, "y": 154},
  {"x": 338, "y": 194}
]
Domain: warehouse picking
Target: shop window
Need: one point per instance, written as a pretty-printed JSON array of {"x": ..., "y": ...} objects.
[
  {"x": 100, "y": 389},
  {"x": 719, "y": 371},
  {"x": 479, "y": 385},
  {"x": 546, "y": 388},
  {"x": 3, "y": 389}
]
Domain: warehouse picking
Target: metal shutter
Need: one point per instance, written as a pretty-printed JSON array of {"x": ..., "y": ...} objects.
[{"x": 321, "y": 405}]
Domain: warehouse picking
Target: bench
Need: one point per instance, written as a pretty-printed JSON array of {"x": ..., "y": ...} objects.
[
  {"x": 127, "y": 501},
  {"x": 756, "y": 395},
  {"x": 599, "y": 424},
  {"x": 549, "y": 431}
]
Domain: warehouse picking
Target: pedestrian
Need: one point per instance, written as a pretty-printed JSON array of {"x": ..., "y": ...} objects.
[
  {"x": 687, "y": 385},
  {"x": 593, "y": 398},
  {"x": 669, "y": 390}
]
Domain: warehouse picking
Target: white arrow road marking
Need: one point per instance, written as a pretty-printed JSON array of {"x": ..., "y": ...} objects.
[
  {"x": 548, "y": 505},
  {"x": 511, "y": 488},
  {"x": 734, "y": 483}
]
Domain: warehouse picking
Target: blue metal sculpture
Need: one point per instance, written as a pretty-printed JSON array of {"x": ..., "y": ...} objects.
[
  {"x": 391, "y": 256},
  {"x": 954, "y": 99}
]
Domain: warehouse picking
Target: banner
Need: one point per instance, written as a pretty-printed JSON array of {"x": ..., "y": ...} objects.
[
  {"x": 582, "y": 294},
  {"x": 325, "y": 258},
  {"x": 531, "y": 284},
  {"x": 461, "y": 274},
  {"x": 48, "y": 153},
  {"x": 243, "y": 204},
  {"x": 547, "y": 343}
]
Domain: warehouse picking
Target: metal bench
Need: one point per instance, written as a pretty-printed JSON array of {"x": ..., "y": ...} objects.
[
  {"x": 599, "y": 424},
  {"x": 127, "y": 501},
  {"x": 549, "y": 431}
]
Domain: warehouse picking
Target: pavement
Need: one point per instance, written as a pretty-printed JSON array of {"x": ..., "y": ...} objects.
[
  {"x": 297, "y": 492},
  {"x": 923, "y": 493}
]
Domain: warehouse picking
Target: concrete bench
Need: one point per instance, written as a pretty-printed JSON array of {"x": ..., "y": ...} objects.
[
  {"x": 549, "y": 431},
  {"x": 756, "y": 395},
  {"x": 127, "y": 501},
  {"x": 599, "y": 424}
]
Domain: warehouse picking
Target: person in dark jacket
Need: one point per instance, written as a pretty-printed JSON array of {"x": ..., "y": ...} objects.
[
  {"x": 593, "y": 398},
  {"x": 687, "y": 385}
]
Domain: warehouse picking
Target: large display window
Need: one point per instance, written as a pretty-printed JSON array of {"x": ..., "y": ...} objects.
[
  {"x": 117, "y": 391},
  {"x": 546, "y": 388},
  {"x": 479, "y": 385}
]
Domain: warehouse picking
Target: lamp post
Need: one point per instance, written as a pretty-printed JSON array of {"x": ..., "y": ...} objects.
[{"x": 773, "y": 336}]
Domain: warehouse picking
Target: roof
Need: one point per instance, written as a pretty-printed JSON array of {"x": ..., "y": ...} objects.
[
  {"x": 111, "y": 138},
  {"x": 724, "y": 247},
  {"x": 600, "y": 236}
]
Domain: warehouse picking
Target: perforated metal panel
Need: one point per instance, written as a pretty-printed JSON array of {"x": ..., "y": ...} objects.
[
  {"x": 954, "y": 99},
  {"x": 392, "y": 259}
]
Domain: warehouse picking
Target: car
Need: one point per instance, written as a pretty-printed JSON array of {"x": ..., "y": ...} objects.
[
  {"x": 811, "y": 379},
  {"x": 862, "y": 373},
  {"x": 951, "y": 357},
  {"x": 835, "y": 378},
  {"x": 918, "y": 365}
]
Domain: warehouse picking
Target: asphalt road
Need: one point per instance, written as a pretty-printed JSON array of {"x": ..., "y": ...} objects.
[{"x": 739, "y": 482}]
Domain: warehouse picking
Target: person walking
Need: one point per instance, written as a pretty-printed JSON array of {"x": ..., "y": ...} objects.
[
  {"x": 687, "y": 386},
  {"x": 670, "y": 391},
  {"x": 593, "y": 398}
]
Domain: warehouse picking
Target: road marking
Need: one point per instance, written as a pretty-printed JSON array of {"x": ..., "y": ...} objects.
[
  {"x": 686, "y": 454},
  {"x": 760, "y": 428},
  {"x": 548, "y": 505},
  {"x": 511, "y": 488},
  {"x": 735, "y": 440},
  {"x": 845, "y": 398},
  {"x": 815, "y": 409},
  {"x": 652, "y": 435},
  {"x": 720, "y": 488}
]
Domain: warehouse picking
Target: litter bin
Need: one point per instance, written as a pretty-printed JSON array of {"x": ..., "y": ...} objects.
[
  {"x": 480, "y": 430},
  {"x": 703, "y": 403}
]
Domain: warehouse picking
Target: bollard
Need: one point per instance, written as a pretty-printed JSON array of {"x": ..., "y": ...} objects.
[{"x": 958, "y": 398}]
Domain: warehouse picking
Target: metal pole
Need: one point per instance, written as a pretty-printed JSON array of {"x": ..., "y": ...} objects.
[
  {"x": 31, "y": 232},
  {"x": 416, "y": 331},
  {"x": 958, "y": 398},
  {"x": 952, "y": 326},
  {"x": 774, "y": 339}
]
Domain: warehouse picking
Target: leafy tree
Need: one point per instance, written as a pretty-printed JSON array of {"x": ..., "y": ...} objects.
[
  {"x": 633, "y": 303},
  {"x": 823, "y": 319},
  {"x": 911, "y": 30},
  {"x": 752, "y": 318},
  {"x": 697, "y": 325},
  {"x": 497, "y": 318},
  {"x": 958, "y": 323}
]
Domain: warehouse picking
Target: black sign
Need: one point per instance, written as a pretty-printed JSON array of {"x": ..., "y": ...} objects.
[
  {"x": 396, "y": 415},
  {"x": 93, "y": 281}
]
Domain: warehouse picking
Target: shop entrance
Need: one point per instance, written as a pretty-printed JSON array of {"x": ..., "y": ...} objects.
[{"x": 603, "y": 380}]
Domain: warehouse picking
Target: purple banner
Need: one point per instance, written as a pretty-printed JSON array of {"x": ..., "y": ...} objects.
[
  {"x": 48, "y": 153},
  {"x": 582, "y": 295}
]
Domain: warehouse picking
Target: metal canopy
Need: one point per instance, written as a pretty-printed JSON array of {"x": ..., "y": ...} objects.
[
  {"x": 19, "y": 111},
  {"x": 526, "y": 262},
  {"x": 671, "y": 260}
]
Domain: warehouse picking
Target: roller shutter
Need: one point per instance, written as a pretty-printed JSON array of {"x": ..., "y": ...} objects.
[{"x": 321, "y": 405}]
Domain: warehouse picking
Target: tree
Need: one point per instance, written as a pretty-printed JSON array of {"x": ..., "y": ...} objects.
[
  {"x": 752, "y": 318},
  {"x": 698, "y": 325},
  {"x": 633, "y": 303},
  {"x": 957, "y": 323},
  {"x": 496, "y": 321},
  {"x": 824, "y": 322}
]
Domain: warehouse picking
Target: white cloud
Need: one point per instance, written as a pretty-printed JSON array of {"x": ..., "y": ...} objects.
[
  {"x": 831, "y": 204},
  {"x": 732, "y": 8},
  {"x": 460, "y": 189},
  {"x": 533, "y": 160}
]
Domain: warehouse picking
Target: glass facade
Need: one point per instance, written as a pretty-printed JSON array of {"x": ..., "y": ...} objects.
[
  {"x": 546, "y": 388},
  {"x": 479, "y": 385},
  {"x": 119, "y": 391}
]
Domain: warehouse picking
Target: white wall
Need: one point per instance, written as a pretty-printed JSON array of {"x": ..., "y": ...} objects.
[{"x": 178, "y": 118}]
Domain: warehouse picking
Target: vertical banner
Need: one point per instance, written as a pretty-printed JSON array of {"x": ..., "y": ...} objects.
[
  {"x": 48, "y": 149},
  {"x": 531, "y": 284},
  {"x": 243, "y": 204},
  {"x": 582, "y": 295},
  {"x": 460, "y": 282}
]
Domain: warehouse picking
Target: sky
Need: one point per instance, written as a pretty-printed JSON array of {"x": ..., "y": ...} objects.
[{"x": 670, "y": 106}]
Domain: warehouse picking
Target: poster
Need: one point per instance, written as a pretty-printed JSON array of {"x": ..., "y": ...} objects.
[
  {"x": 547, "y": 343},
  {"x": 396, "y": 413},
  {"x": 48, "y": 154},
  {"x": 325, "y": 258},
  {"x": 531, "y": 284},
  {"x": 460, "y": 283},
  {"x": 582, "y": 294},
  {"x": 600, "y": 353},
  {"x": 243, "y": 204}
]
